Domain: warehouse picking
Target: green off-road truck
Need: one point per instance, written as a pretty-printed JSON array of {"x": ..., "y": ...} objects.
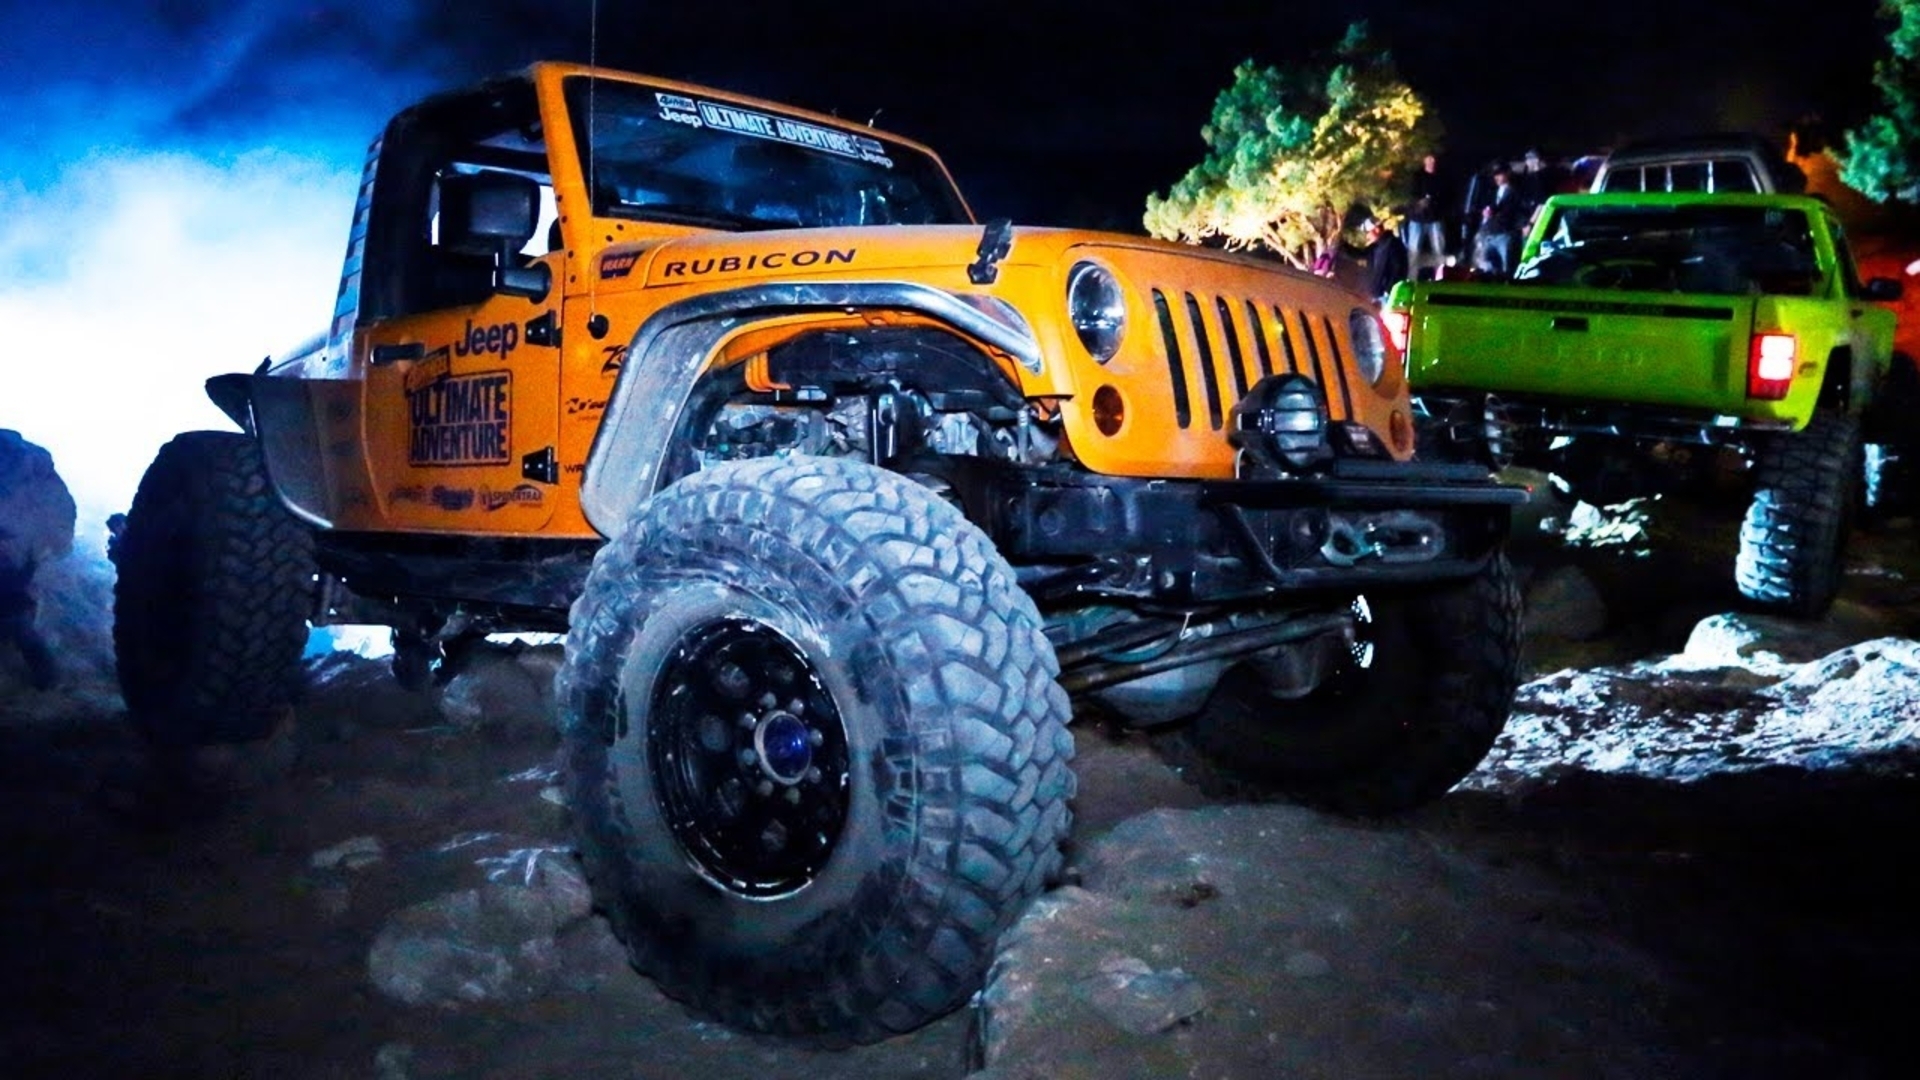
[
  {"x": 838, "y": 494},
  {"x": 1641, "y": 322}
]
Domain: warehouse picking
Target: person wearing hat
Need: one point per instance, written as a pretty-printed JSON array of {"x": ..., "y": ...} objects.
[{"x": 1500, "y": 223}]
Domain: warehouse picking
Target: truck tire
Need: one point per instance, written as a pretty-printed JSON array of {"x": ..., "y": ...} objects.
[
  {"x": 1426, "y": 693},
  {"x": 1886, "y": 479},
  {"x": 215, "y": 588},
  {"x": 815, "y": 749},
  {"x": 1794, "y": 536}
]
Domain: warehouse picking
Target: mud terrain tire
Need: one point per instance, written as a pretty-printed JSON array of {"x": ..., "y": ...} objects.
[
  {"x": 1428, "y": 690},
  {"x": 215, "y": 587},
  {"x": 1794, "y": 536},
  {"x": 1887, "y": 479},
  {"x": 815, "y": 750}
]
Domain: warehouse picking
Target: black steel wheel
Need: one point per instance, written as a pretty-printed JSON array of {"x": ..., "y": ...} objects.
[
  {"x": 749, "y": 758},
  {"x": 1414, "y": 707},
  {"x": 815, "y": 750},
  {"x": 216, "y": 583}
]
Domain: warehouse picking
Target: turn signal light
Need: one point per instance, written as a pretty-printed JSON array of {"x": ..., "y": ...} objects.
[
  {"x": 1770, "y": 364},
  {"x": 1109, "y": 411}
]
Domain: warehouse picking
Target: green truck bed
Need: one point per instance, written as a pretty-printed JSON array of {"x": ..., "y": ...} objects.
[{"x": 1664, "y": 302}]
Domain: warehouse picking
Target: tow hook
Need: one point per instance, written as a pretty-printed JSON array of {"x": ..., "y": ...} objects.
[{"x": 1396, "y": 539}]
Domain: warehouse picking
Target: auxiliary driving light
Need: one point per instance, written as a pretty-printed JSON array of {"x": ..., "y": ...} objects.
[{"x": 1280, "y": 426}]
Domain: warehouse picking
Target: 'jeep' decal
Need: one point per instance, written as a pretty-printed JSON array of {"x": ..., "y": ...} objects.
[
  {"x": 461, "y": 420},
  {"x": 768, "y": 260}
]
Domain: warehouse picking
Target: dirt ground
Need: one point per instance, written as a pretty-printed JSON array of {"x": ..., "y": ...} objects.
[{"x": 1777, "y": 903}]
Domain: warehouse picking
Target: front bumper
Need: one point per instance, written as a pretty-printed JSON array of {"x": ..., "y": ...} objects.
[{"x": 1366, "y": 524}]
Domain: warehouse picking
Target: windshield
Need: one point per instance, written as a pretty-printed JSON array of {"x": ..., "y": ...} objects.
[
  {"x": 660, "y": 156},
  {"x": 1725, "y": 250}
]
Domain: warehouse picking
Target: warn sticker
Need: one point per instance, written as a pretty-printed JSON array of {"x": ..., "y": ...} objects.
[{"x": 461, "y": 420}]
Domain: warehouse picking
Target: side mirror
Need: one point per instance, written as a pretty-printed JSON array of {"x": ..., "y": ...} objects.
[
  {"x": 494, "y": 214},
  {"x": 1884, "y": 289}
]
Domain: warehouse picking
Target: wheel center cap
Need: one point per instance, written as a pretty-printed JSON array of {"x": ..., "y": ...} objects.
[{"x": 785, "y": 747}]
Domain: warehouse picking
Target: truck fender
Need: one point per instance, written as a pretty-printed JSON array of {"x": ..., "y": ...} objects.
[
  {"x": 295, "y": 421},
  {"x": 1842, "y": 386},
  {"x": 673, "y": 348}
]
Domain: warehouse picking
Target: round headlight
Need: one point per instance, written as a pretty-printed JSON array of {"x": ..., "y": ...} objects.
[
  {"x": 1369, "y": 344},
  {"x": 1097, "y": 308}
]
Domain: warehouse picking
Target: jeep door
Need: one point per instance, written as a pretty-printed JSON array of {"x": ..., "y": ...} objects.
[{"x": 455, "y": 341}]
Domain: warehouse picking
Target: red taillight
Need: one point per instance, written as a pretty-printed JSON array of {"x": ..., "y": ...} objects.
[
  {"x": 1399, "y": 326},
  {"x": 1770, "y": 364}
]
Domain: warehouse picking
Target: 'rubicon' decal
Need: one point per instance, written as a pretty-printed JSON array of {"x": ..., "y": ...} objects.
[{"x": 759, "y": 260}]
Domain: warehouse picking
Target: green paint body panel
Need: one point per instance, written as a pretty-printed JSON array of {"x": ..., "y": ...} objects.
[{"x": 1626, "y": 344}]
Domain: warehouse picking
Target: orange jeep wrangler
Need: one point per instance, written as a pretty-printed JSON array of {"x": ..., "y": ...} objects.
[{"x": 840, "y": 497}]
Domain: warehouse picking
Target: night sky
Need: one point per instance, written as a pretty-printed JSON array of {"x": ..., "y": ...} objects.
[{"x": 1057, "y": 111}]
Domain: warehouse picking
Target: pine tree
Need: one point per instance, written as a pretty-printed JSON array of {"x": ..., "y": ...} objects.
[
  {"x": 1290, "y": 153},
  {"x": 1881, "y": 158}
]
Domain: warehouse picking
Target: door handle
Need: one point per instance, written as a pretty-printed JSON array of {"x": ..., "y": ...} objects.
[{"x": 389, "y": 354}]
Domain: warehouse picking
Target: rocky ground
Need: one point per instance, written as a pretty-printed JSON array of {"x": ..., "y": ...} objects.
[{"x": 1688, "y": 857}]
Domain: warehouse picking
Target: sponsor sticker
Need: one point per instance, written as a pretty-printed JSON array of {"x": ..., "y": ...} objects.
[
  {"x": 461, "y": 420},
  {"x": 700, "y": 113},
  {"x": 518, "y": 495},
  {"x": 436, "y": 365}
]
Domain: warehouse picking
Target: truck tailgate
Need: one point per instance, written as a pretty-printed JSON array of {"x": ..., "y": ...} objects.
[{"x": 1673, "y": 349}]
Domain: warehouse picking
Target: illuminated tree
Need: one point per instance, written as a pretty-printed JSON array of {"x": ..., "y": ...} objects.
[
  {"x": 1881, "y": 158},
  {"x": 1290, "y": 153}
]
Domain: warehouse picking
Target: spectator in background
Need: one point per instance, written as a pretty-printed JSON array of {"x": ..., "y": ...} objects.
[
  {"x": 1386, "y": 259},
  {"x": 1532, "y": 186},
  {"x": 1501, "y": 220},
  {"x": 36, "y": 525},
  {"x": 1426, "y": 238}
]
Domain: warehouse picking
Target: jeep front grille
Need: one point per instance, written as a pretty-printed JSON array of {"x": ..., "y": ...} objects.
[{"x": 1251, "y": 341}]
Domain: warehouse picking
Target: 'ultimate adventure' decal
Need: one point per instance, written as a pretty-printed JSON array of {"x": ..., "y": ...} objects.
[
  {"x": 461, "y": 420},
  {"x": 712, "y": 114}
]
